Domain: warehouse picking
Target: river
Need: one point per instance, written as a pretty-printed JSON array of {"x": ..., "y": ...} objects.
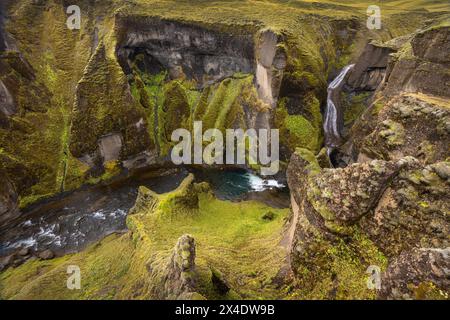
[{"x": 69, "y": 223}]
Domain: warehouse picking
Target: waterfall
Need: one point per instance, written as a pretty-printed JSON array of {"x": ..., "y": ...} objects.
[{"x": 331, "y": 129}]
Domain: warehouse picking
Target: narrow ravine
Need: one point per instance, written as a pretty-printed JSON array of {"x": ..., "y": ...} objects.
[
  {"x": 70, "y": 223},
  {"x": 332, "y": 113}
]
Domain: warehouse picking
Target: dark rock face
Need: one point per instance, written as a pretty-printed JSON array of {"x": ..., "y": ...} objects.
[
  {"x": 433, "y": 45},
  {"x": 8, "y": 200},
  {"x": 421, "y": 66},
  {"x": 202, "y": 54},
  {"x": 417, "y": 274},
  {"x": 398, "y": 202},
  {"x": 5, "y": 39},
  {"x": 185, "y": 49},
  {"x": 18, "y": 85},
  {"x": 370, "y": 69},
  {"x": 19, "y": 89}
]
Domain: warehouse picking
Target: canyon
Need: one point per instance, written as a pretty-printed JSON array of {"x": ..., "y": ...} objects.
[{"x": 86, "y": 118}]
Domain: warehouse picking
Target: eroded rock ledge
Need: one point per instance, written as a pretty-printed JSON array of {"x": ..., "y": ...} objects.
[{"x": 393, "y": 200}]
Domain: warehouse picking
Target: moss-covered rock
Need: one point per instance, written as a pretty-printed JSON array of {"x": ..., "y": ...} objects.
[{"x": 104, "y": 105}]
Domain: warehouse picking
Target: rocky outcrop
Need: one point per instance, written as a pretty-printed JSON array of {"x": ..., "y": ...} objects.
[
  {"x": 413, "y": 125},
  {"x": 394, "y": 198},
  {"x": 418, "y": 274},
  {"x": 397, "y": 206},
  {"x": 432, "y": 44},
  {"x": 179, "y": 282},
  {"x": 103, "y": 96},
  {"x": 412, "y": 211},
  {"x": 421, "y": 64},
  {"x": 409, "y": 113},
  {"x": 8, "y": 200},
  {"x": 370, "y": 69},
  {"x": 184, "y": 199}
]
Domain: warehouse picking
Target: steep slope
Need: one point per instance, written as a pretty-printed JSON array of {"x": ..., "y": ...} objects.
[
  {"x": 42, "y": 127},
  {"x": 84, "y": 106}
]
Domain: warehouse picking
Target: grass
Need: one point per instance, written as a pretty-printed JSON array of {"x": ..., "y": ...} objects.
[
  {"x": 59, "y": 57},
  {"x": 232, "y": 237},
  {"x": 297, "y": 131}
]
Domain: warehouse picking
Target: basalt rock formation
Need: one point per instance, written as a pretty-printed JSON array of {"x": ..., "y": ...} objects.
[
  {"x": 179, "y": 282},
  {"x": 392, "y": 199}
]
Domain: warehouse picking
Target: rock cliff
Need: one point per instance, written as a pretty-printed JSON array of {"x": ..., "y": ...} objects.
[{"x": 393, "y": 195}]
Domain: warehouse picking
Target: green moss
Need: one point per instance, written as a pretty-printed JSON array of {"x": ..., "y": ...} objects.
[
  {"x": 393, "y": 133},
  {"x": 105, "y": 106},
  {"x": 174, "y": 113},
  {"x": 229, "y": 236},
  {"x": 428, "y": 291},
  {"x": 102, "y": 265},
  {"x": 354, "y": 107},
  {"x": 59, "y": 57},
  {"x": 224, "y": 103},
  {"x": 339, "y": 269},
  {"x": 313, "y": 166},
  {"x": 302, "y": 132},
  {"x": 297, "y": 130}
]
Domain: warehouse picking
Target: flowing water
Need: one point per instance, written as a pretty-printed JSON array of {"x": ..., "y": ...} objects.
[
  {"x": 332, "y": 113},
  {"x": 71, "y": 222},
  {"x": 235, "y": 184}
]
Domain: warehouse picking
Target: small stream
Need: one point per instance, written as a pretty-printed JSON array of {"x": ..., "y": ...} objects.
[
  {"x": 332, "y": 113},
  {"x": 71, "y": 222}
]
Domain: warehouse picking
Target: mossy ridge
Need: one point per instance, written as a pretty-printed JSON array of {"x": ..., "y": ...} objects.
[
  {"x": 228, "y": 248},
  {"x": 232, "y": 237},
  {"x": 102, "y": 267},
  {"x": 104, "y": 104},
  {"x": 180, "y": 103},
  {"x": 297, "y": 131}
]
